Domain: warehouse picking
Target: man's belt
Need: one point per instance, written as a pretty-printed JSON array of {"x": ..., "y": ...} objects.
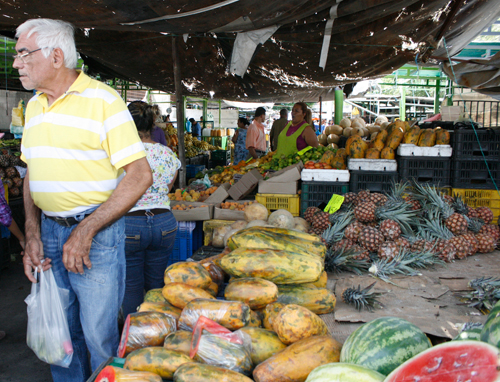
[{"x": 65, "y": 222}]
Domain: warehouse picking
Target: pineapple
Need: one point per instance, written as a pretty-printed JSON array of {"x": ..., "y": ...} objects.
[
  {"x": 463, "y": 248},
  {"x": 486, "y": 244},
  {"x": 402, "y": 242},
  {"x": 334, "y": 233},
  {"x": 349, "y": 198},
  {"x": 388, "y": 250},
  {"x": 491, "y": 230},
  {"x": 315, "y": 231},
  {"x": 320, "y": 220},
  {"x": 485, "y": 213},
  {"x": 370, "y": 238},
  {"x": 361, "y": 298},
  {"x": 459, "y": 205},
  {"x": 473, "y": 243},
  {"x": 309, "y": 213},
  {"x": 377, "y": 198},
  {"x": 362, "y": 196},
  {"x": 448, "y": 199},
  {"x": 352, "y": 230},
  {"x": 361, "y": 253},
  {"x": 472, "y": 213},
  {"x": 457, "y": 224},
  {"x": 390, "y": 229},
  {"x": 342, "y": 244},
  {"x": 422, "y": 245},
  {"x": 475, "y": 225},
  {"x": 445, "y": 250},
  {"x": 414, "y": 204},
  {"x": 365, "y": 212}
]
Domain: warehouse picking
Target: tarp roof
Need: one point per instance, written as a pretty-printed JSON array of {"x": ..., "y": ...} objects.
[{"x": 132, "y": 40}]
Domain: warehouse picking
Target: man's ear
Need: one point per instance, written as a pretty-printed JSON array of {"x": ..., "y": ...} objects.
[{"x": 57, "y": 58}]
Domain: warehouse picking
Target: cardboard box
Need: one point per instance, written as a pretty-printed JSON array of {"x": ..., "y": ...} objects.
[
  {"x": 450, "y": 113},
  {"x": 267, "y": 187},
  {"x": 245, "y": 185},
  {"x": 226, "y": 214},
  {"x": 194, "y": 214},
  {"x": 220, "y": 194},
  {"x": 286, "y": 175}
]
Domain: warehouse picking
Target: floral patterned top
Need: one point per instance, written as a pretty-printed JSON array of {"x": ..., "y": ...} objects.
[
  {"x": 164, "y": 163},
  {"x": 240, "y": 151}
]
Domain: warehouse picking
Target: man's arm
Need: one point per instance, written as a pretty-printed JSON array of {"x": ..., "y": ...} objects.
[
  {"x": 136, "y": 181},
  {"x": 252, "y": 152},
  {"x": 33, "y": 247}
]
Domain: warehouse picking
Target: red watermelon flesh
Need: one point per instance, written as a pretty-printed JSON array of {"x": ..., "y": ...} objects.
[{"x": 454, "y": 361}]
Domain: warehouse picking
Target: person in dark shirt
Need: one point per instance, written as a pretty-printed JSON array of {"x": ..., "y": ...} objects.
[{"x": 195, "y": 128}]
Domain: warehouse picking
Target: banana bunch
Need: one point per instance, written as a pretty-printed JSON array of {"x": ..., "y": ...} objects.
[{"x": 204, "y": 146}]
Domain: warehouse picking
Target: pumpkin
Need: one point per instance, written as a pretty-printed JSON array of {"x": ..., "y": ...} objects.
[
  {"x": 372, "y": 154},
  {"x": 347, "y": 132},
  {"x": 388, "y": 153}
]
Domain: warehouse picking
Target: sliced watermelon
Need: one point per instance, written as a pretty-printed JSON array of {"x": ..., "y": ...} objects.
[
  {"x": 344, "y": 372},
  {"x": 383, "y": 344},
  {"x": 471, "y": 361},
  {"x": 491, "y": 329}
]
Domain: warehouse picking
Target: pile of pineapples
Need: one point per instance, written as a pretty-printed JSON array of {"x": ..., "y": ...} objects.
[{"x": 412, "y": 218}]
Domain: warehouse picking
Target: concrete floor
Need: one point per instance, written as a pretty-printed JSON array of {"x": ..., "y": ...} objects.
[{"x": 18, "y": 363}]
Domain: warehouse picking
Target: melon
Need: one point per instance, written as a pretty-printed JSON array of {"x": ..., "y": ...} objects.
[
  {"x": 383, "y": 344},
  {"x": 359, "y": 120},
  {"x": 491, "y": 330},
  {"x": 300, "y": 228},
  {"x": 380, "y": 119},
  {"x": 255, "y": 211},
  {"x": 282, "y": 219},
  {"x": 301, "y": 221},
  {"x": 345, "y": 122},
  {"x": 347, "y": 132},
  {"x": 219, "y": 233},
  {"x": 322, "y": 139},
  {"x": 239, "y": 224},
  {"x": 229, "y": 234},
  {"x": 470, "y": 331},
  {"x": 472, "y": 361},
  {"x": 333, "y": 138},
  {"x": 344, "y": 372},
  {"x": 256, "y": 223},
  {"x": 336, "y": 129}
]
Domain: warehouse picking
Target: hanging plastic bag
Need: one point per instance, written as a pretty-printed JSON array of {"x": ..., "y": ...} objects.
[
  {"x": 48, "y": 333},
  {"x": 18, "y": 114}
]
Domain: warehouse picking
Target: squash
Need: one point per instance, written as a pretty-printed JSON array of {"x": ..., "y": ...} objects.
[
  {"x": 265, "y": 343},
  {"x": 295, "y": 363},
  {"x": 179, "y": 341},
  {"x": 190, "y": 273},
  {"x": 317, "y": 300},
  {"x": 270, "y": 312},
  {"x": 180, "y": 294},
  {"x": 232, "y": 315},
  {"x": 254, "y": 292},
  {"x": 395, "y": 138},
  {"x": 411, "y": 136},
  {"x": 442, "y": 137},
  {"x": 157, "y": 360},
  {"x": 372, "y": 154},
  {"x": 388, "y": 153},
  {"x": 294, "y": 323},
  {"x": 427, "y": 138},
  {"x": 197, "y": 372}
]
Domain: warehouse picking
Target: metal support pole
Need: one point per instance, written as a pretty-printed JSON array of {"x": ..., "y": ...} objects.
[
  {"x": 436, "y": 97},
  {"x": 339, "y": 105},
  {"x": 320, "y": 112},
  {"x": 180, "y": 112},
  {"x": 402, "y": 103},
  {"x": 220, "y": 113}
]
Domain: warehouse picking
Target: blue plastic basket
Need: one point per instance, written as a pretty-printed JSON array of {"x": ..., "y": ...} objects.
[
  {"x": 183, "y": 246},
  {"x": 193, "y": 169}
]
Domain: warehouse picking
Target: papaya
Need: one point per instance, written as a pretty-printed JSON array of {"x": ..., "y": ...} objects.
[
  {"x": 341, "y": 153},
  {"x": 265, "y": 343},
  {"x": 372, "y": 154},
  {"x": 295, "y": 362},
  {"x": 382, "y": 136},
  {"x": 427, "y": 138},
  {"x": 349, "y": 141},
  {"x": 388, "y": 153},
  {"x": 280, "y": 267},
  {"x": 213, "y": 289},
  {"x": 162, "y": 307},
  {"x": 179, "y": 341},
  {"x": 411, "y": 136},
  {"x": 154, "y": 295},
  {"x": 117, "y": 374},
  {"x": 216, "y": 273},
  {"x": 327, "y": 157},
  {"x": 156, "y": 360},
  {"x": 320, "y": 283},
  {"x": 275, "y": 238},
  {"x": 221, "y": 352},
  {"x": 196, "y": 372},
  {"x": 442, "y": 137},
  {"x": 378, "y": 145},
  {"x": 390, "y": 127},
  {"x": 145, "y": 329},
  {"x": 356, "y": 149},
  {"x": 253, "y": 291},
  {"x": 317, "y": 300},
  {"x": 180, "y": 294},
  {"x": 255, "y": 320},
  {"x": 288, "y": 232},
  {"x": 294, "y": 323},
  {"x": 190, "y": 273},
  {"x": 270, "y": 312},
  {"x": 339, "y": 163},
  {"x": 233, "y": 315},
  {"x": 395, "y": 138}
]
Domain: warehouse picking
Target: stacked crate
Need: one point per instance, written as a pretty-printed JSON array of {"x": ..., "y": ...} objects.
[
  {"x": 475, "y": 170},
  {"x": 376, "y": 175}
]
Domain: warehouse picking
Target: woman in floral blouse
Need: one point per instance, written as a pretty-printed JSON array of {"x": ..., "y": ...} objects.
[{"x": 150, "y": 226}]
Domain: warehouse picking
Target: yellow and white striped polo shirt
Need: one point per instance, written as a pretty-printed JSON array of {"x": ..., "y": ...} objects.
[{"x": 76, "y": 148}]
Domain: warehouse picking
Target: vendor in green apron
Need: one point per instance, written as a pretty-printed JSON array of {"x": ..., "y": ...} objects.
[{"x": 297, "y": 134}]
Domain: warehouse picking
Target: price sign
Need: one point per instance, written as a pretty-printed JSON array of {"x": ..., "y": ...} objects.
[
  {"x": 334, "y": 204},
  {"x": 303, "y": 151}
]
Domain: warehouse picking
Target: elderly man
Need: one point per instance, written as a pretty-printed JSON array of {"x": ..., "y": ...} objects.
[{"x": 86, "y": 169}]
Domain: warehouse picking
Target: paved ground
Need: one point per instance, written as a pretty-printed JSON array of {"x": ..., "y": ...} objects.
[{"x": 17, "y": 362}]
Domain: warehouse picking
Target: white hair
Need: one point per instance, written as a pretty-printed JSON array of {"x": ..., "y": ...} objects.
[{"x": 52, "y": 34}]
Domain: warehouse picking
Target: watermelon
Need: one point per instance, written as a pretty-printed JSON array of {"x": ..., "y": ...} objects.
[
  {"x": 470, "y": 331},
  {"x": 383, "y": 344},
  {"x": 471, "y": 361},
  {"x": 344, "y": 372},
  {"x": 491, "y": 329}
]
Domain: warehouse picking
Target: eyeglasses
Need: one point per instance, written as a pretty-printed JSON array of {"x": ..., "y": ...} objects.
[{"x": 22, "y": 57}]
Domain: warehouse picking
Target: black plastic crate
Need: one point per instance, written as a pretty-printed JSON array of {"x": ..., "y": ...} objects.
[
  {"x": 466, "y": 145},
  {"x": 219, "y": 155},
  {"x": 314, "y": 193},
  {"x": 475, "y": 174},
  {"x": 447, "y": 125},
  {"x": 431, "y": 170},
  {"x": 375, "y": 181},
  {"x": 206, "y": 251}
]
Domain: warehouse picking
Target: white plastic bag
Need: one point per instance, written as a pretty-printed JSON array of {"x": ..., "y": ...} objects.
[{"x": 48, "y": 333}]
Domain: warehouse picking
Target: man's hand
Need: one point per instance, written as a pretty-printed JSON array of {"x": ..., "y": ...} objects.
[
  {"x": 76, "y": 251},
  {"x": 32, "y": 258}
]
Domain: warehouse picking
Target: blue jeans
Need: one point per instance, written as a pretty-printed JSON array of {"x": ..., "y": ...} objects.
[
  {"x": 95, "y": 296},
  {"x": 148, "y": 245}
]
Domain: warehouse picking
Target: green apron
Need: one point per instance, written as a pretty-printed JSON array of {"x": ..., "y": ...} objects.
[{"x": 288, "y": 145}]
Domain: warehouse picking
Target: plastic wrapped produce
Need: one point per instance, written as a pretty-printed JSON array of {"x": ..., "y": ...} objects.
[{"x": 117, "y": 374}]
